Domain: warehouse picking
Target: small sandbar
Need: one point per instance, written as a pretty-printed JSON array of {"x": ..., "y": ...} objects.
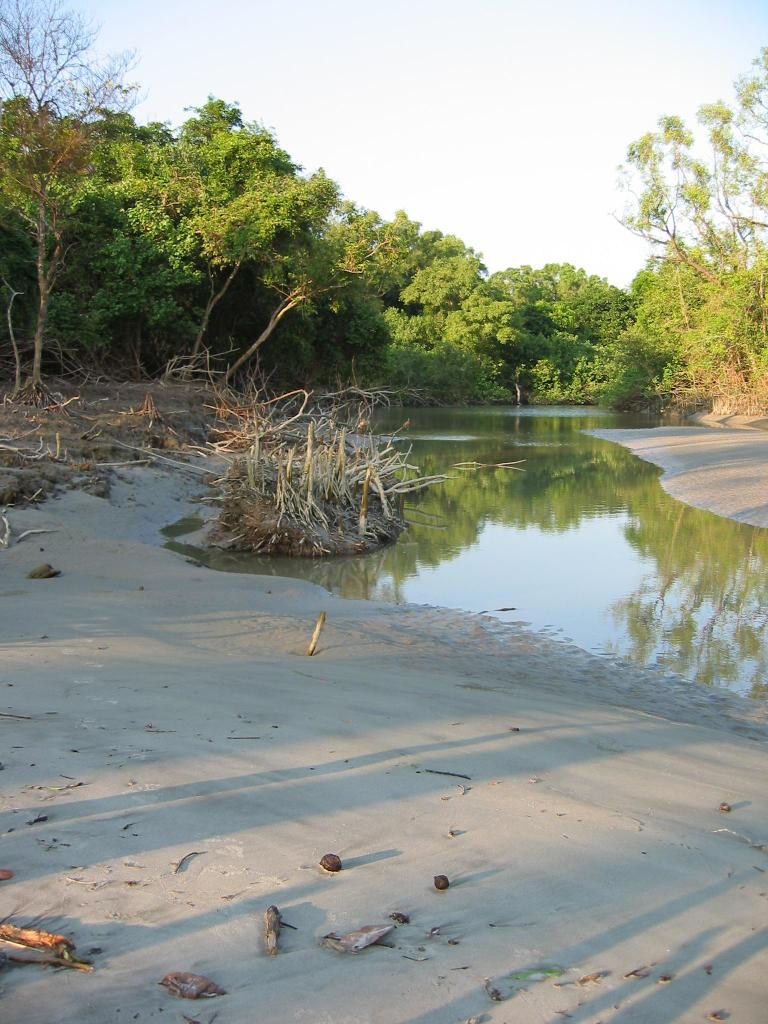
[{"x": 722, "y": 470}]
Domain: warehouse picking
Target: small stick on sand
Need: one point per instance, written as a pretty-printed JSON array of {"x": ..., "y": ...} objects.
[
  {"x": 455, "y": 775},
  {"x": 271, "y": 929},
  {"x": 36, "y": 956},
  {"x": 182, "y": 864},
  {"x": 28, "y": 533},
  {"x": 316, "y": 635}
]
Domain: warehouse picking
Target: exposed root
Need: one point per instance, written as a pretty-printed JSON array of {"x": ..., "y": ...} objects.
[{"x": 41, "y": 397}]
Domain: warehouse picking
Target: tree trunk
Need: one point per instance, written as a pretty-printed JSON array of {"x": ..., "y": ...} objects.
[
  {"x": 42, "y": 308},
  {"x": 213, "y": 301},
  {"x": 37, "y": 361},
  {"x": 289, "y": 302},
  {"x": 45, "y": 278}
]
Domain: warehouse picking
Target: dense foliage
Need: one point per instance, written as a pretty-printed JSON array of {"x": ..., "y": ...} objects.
[
  {"x": 133, "y": 247},
  {"x": 212, "y": 239}
]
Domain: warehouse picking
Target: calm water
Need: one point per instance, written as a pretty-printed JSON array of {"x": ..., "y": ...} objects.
[{"x": 583, "y": 544}]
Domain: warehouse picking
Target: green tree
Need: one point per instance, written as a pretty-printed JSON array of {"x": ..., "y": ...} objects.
[
  {"x": 563, "y": 322},
  {"x": 128, "y": 293},
  {"x": 446, "y": 321},
  {"x": 703, "y": 206},
  {"x": 246, "y": 203},
  {"x": 52, "y": 95}
]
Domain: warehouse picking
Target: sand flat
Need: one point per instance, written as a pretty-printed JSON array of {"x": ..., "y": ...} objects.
[
  {"x": 587, "y": 837},
  {"x": 723, "y": 470}
]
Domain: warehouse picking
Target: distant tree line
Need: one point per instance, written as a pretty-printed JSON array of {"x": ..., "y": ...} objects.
[{"x": 130, "y": 247}]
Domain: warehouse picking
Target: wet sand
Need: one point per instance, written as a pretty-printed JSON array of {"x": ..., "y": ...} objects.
[{"x": 163, "y": 710}]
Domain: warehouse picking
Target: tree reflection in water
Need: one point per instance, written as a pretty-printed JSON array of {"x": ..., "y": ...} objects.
[{"x": 704, "y": 612}]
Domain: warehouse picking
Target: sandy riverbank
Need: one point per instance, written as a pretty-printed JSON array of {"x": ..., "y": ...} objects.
[
  {"x": 587, "y": 836},
  {"x": 723, "y": 470}
]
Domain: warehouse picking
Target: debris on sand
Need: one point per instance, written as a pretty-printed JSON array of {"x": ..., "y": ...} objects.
[
  {"x": 354, "y": 942},
  {"x": 272, "y": 923},
  {"x": 191, "y": 986}
]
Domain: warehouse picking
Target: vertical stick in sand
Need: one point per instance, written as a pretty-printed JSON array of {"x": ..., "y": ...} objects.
[
  {"x": 316, "y": 635},
  {"x": 271, "y": 929}
]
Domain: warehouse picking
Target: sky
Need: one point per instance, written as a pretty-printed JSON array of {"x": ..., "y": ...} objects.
[{"x": 501, "y": 121}]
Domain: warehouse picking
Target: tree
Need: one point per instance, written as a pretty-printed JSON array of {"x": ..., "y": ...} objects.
[
  {"x": 53, "y": 95},
  {"x": 239, "y": 192},
  {"x": 337, "y": 244},
  {"x": 446, "y": 321},
  {"x": 559, "y": 319},
  {"x": 703, "y": 206}
]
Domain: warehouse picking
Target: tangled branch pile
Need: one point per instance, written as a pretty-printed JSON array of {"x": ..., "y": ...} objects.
[{"x": 309, "y": 478}]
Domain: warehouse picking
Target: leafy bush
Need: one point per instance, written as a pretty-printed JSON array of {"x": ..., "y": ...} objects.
[{"x": 446, "y": 373}]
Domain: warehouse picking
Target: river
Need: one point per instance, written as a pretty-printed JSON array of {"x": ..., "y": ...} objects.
[{"x": 579, "y": 541}]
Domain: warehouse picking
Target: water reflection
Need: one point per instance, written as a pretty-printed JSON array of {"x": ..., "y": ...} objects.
[
  {"x": 584, "y": 542},
  {"x": 704, "y": 611}
]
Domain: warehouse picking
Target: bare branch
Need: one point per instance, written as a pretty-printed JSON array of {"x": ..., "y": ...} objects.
[{"x": 46, "y": 57}]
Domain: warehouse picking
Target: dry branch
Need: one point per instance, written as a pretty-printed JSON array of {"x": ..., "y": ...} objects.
[{"x": 489, "y": 465}]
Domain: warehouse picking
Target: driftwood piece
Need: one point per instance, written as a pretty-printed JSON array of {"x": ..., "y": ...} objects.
[
  {"x": 488, "y": 465},
  {"x": 271, "y": 929},
  {"x": 35, "y": 938},
  {"x": 358, "y": 940},
  {"x": 316, "y": 635}
]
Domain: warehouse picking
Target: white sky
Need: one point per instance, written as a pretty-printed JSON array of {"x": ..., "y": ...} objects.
[{"x": 501, "y": 121}]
